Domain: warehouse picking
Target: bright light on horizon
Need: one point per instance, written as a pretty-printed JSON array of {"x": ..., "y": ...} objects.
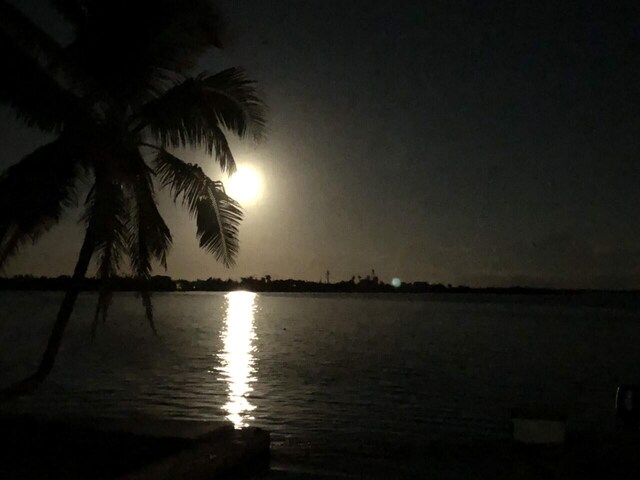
[{"x": 245, "y": 185}]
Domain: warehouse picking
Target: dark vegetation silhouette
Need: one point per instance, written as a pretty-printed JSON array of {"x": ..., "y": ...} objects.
[
  {"x": 368, "y": 284},
  {"x": 119, "y": 99}
]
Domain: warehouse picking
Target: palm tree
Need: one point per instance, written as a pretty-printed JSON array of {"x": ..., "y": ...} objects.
[{"x": 120, "y": 100}]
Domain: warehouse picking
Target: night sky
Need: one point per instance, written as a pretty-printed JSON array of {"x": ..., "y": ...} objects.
[{"x": 485, "y": 143}]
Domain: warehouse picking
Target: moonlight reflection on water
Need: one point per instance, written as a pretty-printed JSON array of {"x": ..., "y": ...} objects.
[{"x": 237, "y": 356}]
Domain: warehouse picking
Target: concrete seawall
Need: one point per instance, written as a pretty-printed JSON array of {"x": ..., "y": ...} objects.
[{"x": 136, "y": 449}]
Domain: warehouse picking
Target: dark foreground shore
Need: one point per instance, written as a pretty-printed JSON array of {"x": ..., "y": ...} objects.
[
  {"x": 582, "y": 456},
  {"x": 135, "y": 449},
  {"x": 158, "y": 449}
]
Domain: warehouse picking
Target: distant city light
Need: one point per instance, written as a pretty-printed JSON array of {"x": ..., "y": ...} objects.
[{"x": 396, "y": 282}]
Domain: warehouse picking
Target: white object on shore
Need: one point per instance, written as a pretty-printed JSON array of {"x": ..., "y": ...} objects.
[{"x": 539, "y": 427}]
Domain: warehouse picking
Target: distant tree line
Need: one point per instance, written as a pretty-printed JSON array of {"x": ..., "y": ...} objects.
[{"x": 163, "y": 283}]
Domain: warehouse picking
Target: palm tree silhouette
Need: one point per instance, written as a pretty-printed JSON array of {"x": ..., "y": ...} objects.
[{"x": 120, "y": 99}]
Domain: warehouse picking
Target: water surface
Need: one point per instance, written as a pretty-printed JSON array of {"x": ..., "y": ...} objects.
[{"x": 334, "y": 377}]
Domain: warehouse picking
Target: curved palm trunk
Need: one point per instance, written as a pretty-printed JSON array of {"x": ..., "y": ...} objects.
[{"x": 47, "y": 362}]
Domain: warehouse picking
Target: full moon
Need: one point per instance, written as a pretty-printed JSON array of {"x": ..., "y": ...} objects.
[{"x": 245, "y": 186}]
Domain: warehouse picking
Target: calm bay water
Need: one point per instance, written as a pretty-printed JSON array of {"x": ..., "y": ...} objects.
[{"x": 334, "y": 377}]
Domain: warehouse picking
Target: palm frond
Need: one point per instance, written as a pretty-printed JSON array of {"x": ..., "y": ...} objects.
[
  {"x": 149, "y": 237},
  {"x": 36, "y": 97},
  {"x": 145, "y": 294},
  {"x": 181, "y": 35},
  {"x": 217, "y": 215},
  {"x": 74, "y": 11},
  {"x": 26, "y": 36},
  {"x": 154, "y": 38},
  {"x": 11, "y": 245},
  {"x": 108, "y": 214},
  {"x": 34, "y": 193},
  {"x": 232, "y": 95},
  {"x": 20, "y": 34},
  {"x": 195, "y": 112}
]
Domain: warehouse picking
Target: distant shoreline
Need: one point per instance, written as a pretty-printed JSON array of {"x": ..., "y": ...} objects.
[{"x": 266, "y": 284}]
